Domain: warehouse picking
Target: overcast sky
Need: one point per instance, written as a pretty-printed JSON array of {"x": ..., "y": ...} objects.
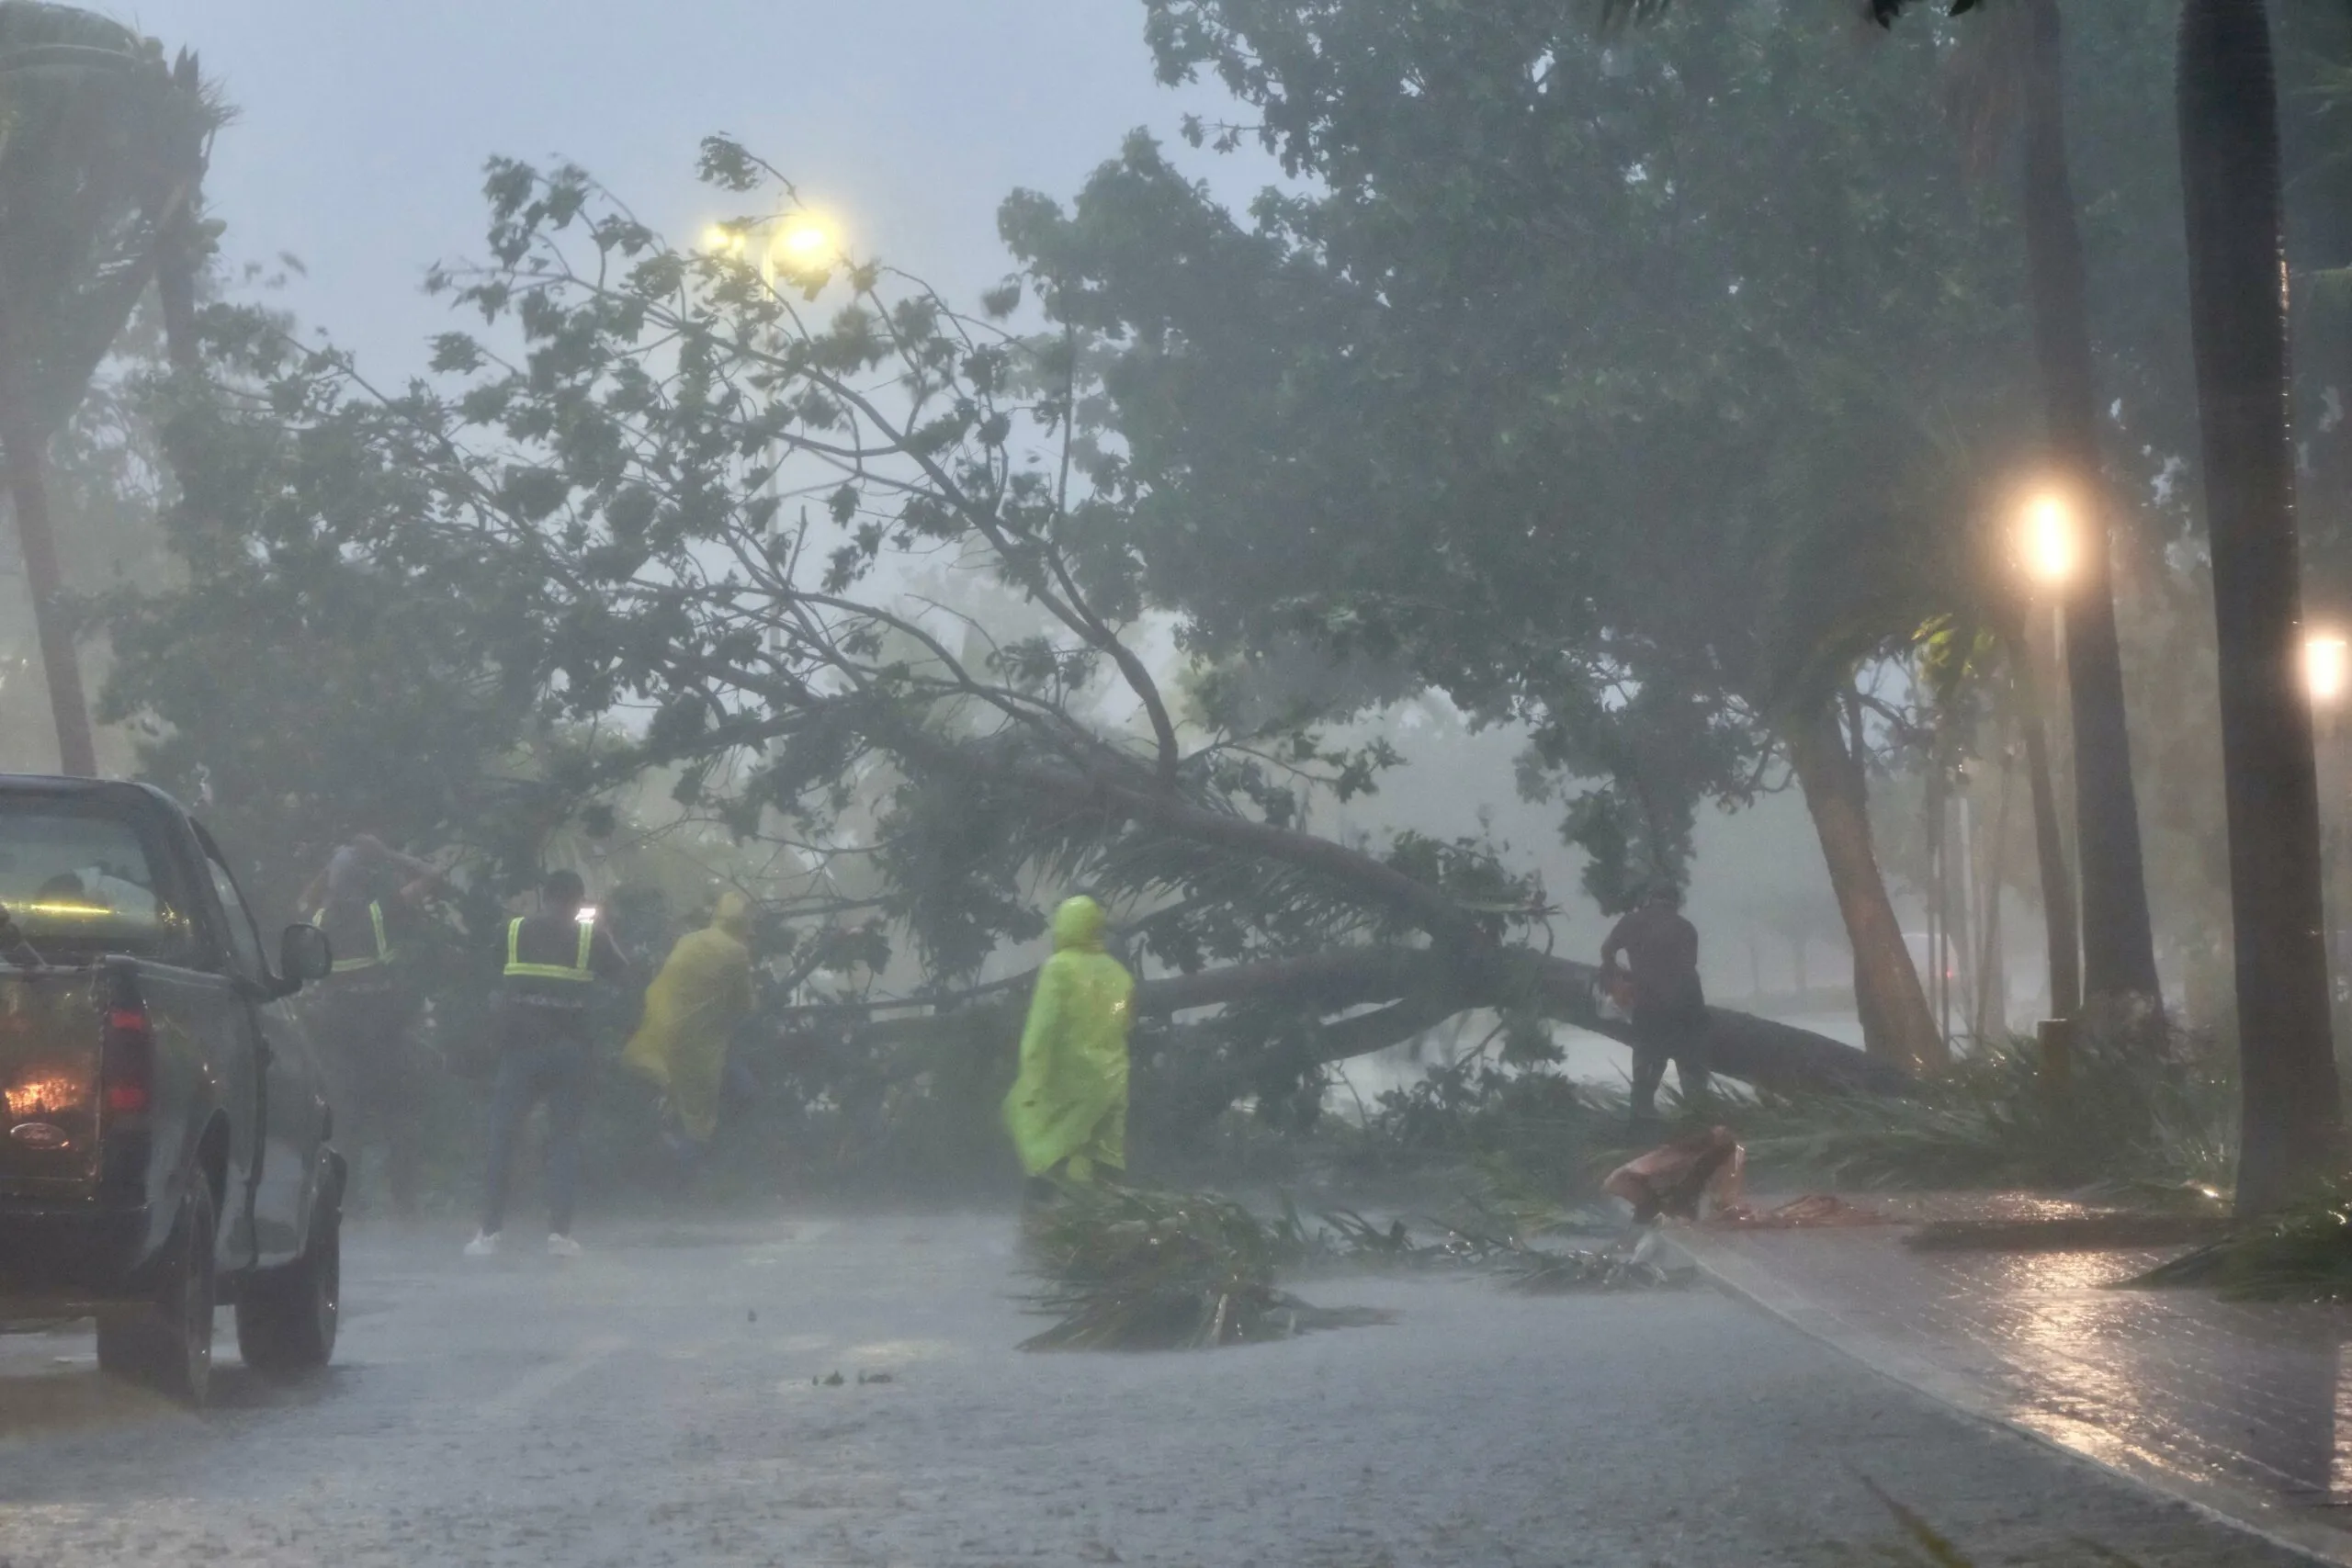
[{"x": 363, "y": 124}]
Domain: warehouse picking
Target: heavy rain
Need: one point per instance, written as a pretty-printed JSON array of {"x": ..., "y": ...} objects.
[{"x": 1196, "y": 783}]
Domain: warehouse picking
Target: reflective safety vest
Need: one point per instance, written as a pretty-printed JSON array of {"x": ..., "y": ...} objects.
[
  {"x": 383, "y": 942},
  {"x": 579, "y": 971}
]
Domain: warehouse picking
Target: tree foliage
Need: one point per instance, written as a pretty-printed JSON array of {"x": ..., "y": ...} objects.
[{"x": 1636, "y": 387}]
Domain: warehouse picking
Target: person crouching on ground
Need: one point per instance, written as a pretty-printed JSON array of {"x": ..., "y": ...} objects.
[
  {"x": 1068, "y": 1111},
  {"x": 545, "y": 991},
  {"x": 1676, "y": 1178},
  {"x": 690, "y": 1010}
]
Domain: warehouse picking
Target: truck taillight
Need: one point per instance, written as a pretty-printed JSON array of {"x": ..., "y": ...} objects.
[{"x": 128, "y": 1062}]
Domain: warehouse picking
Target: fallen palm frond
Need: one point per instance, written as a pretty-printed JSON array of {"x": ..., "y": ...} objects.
[
  {"x": 2136, "y": 1112},
  {"x": 1501, "y": 1237},
  {"x": 1497, "y": 1234},
  {"x": 1543, "y": 1271},
  {"x": 1531, "y": 1129},
  {"x": 2303, "y": 1253},
  {"x": 1128, "y": 1269}
]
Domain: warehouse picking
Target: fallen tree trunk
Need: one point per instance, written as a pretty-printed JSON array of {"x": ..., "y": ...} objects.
[
  {"x": 1465, "y": 966},
  {"x": 1418, "y": 989}
]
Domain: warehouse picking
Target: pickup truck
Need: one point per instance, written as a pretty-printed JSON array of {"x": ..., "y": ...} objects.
[{"x": 165, "y": 1131}]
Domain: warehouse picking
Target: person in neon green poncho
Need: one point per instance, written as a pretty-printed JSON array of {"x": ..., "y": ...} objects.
[
  {"x": 690, "y": 1011},
  {"x": 1068, "y": 1111}
]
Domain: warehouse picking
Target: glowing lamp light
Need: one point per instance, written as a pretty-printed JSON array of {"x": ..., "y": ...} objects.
[
  {"x": 805, "y": 242},
  {"x": 2050, "y": 547},
  {"x": 2327, "y": 667},
  {"x": 587, "y": 916},
  {"x": 720, "y": 240}
]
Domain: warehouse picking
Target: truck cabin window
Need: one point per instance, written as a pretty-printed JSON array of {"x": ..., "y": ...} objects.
[{"x": 79, "y": 882}]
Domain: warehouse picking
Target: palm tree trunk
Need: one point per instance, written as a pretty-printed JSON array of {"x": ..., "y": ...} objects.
[
  {"x": 2229, "y": 178},
  {"x": 1897, "y": 1026},
  {"x": 2119, "y": 943},
  {"x": 175, "y": 291},
  {"x": 23, "y": 453}
]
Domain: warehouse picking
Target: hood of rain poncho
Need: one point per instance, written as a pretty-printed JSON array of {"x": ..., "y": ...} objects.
[
  {"x": 733, "y": 916},
  {"x": 1069, "y": 1108},
  {"x": 1078, "y": 925}
]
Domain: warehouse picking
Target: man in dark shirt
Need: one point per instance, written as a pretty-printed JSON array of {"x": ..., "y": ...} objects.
[
  {"x": 1669, "y": 1009},
  {"x": 551, "y": 962}
]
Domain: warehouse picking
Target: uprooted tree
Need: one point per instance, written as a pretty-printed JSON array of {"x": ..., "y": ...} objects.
[
  {"x": 1610, "y": 384},
  {"x": 688, "y": 498}
]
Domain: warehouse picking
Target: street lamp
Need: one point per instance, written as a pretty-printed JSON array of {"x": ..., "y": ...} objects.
[
  {"x": 2049, "y": 542},
  {"x": 2327, "y": 668},
  {"x": 2049, "y": 551},
  {"x": 804, "y": 242},
  {"x": 2328, "y": 675}
]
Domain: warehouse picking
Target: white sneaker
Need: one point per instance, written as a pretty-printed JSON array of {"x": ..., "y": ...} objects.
[
  {"x": 562, "y": 1245},
  {"x": 484, "y": 1244}
]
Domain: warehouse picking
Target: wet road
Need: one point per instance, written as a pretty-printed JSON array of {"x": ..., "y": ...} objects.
[{"x": 653, "y": 1403}]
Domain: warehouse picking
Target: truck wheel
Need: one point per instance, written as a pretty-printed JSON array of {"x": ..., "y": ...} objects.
[
  {"x": 166, "y": 1344},
  {"x": 287, "y": 1318}
]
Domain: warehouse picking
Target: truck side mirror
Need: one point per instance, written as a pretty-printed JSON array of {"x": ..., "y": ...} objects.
[{"x": 303, "y": 955}]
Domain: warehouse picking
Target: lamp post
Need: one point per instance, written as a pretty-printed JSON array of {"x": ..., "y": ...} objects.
[
  {"x": 2327, "y": 679},
  {"x": 2049, "y": 551}
]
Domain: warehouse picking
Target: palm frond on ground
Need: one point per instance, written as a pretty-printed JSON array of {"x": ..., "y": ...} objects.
[
  {"x": 2149, "y": 1121},
  {"x": 1128, "y": 1268},
  {"x": 2302, "y": 1253},
  {"x": 1531, "y": 1135}
]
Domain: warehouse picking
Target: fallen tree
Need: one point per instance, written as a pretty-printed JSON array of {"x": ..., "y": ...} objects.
[
  {"x": 1408, "y": 991},
  {"x": 616, "y": 474}
]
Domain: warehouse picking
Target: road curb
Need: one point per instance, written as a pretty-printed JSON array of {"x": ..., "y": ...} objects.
[{"x": 2241, "y": 1509}]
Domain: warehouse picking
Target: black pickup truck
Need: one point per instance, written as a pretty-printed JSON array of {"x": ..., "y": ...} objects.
[{"x": 164, "y": 1125}]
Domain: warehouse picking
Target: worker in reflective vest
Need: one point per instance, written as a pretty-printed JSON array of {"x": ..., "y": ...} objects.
[
  {"x": 552, "y": 964},
  {"x": 366, "y": 1013}
]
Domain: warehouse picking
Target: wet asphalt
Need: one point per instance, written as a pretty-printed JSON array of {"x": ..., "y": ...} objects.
[{"x": 670, "y": 1399}]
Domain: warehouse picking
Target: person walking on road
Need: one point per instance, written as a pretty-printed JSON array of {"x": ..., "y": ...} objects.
[
  {"x": 690, "y": 1010},
  {"x": 553, "y": 960},
  {"x": 369, "y": 1007},
  {"x": 1068, "y": 1111},
  {"x": 1670, "y": 1007}
]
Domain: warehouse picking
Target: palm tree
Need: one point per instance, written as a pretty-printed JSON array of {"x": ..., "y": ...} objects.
[
  {"x": 2119, "y": 944},
  {"x": 102, "y": 153},
  {"x": 2230, "y": 179}
]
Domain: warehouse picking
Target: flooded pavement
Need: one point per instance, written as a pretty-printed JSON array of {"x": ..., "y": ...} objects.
[
  {"x": 668, "y": 1399},
  {"x": 2246, "y": 1407}
]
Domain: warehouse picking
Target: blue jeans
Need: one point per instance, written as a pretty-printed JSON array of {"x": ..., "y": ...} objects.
[{"x": 557, "y": 1071}]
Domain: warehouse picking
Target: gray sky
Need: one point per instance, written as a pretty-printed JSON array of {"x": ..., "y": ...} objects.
[{"x": 363, "y": 124}]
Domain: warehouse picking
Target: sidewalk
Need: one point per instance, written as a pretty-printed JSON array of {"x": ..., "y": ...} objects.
[{"x": 2244, "y": 1409}]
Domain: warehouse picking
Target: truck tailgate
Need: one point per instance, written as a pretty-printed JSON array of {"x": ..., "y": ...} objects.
[{"x": 52, "y": 1029}]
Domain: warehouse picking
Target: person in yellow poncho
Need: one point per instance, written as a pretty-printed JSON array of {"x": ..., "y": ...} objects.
[
  {"x": 705, "y": 987},
  {"x": 1068, "y": 1111}
]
